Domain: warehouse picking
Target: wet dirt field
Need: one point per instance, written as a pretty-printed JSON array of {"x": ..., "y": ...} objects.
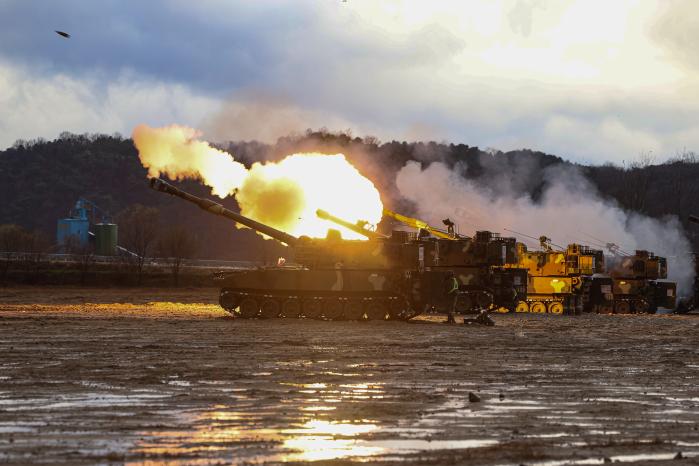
[{"x": 124, "y": 376}]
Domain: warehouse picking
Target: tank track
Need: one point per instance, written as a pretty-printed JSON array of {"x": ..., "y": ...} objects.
[
  {"x": 252, "y": 305},
  {"x": 632, "y": 305}
]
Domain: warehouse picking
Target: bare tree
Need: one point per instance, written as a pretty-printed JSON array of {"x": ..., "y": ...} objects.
[
  {"x": 177, "y": 243},
  {"x": 138, "y": 231},
  {"x": 684, "y": 184},
  {"x": 635, "y": 181}
]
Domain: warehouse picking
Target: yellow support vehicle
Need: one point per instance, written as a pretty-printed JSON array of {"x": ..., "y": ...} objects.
[{"x": 558, "y": 280}]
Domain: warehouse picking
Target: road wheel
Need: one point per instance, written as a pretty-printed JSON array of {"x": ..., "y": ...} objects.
[
  {"x": 556, "y": 308},
  {"x": 537, "y": 307},
  {"x": 249, "y": 308},
  {"x": 641, "y": 306},
  {"x": 377, "y": 309},
  {"x": 484, "y": 300},
  {"x": 622, "y": 307},
  {"x": 332, "y": 308},
  {"x": 311, "y": 308},
  {"x": 522, "y": 306},
  {"x": 270, "y": 308},
  {"x": 354, "y": 309},
  {"x": 399, "y": 309},
  {"x": 229, "y": 300},
  {"x": 291, "y": 308}
]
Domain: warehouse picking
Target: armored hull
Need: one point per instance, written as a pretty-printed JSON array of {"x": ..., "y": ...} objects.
[{"x": 333, "y": 294}]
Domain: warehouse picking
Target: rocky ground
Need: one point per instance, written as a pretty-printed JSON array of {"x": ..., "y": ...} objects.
[{"x": 147, "y": 377}]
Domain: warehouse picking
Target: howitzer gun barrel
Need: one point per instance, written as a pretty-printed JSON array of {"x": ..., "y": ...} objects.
[
  {"x": 694, "y": 218},
  {"x": 217, "y": 209},
  {"x": 415, "y": 223},
  {"x": 350, "y": 226}
]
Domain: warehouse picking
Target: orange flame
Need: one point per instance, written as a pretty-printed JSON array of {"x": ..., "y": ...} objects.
[{"x": 285, "y": 194}]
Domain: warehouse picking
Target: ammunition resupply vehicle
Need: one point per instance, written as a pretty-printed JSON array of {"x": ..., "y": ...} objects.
[
  {"x": 559, "y": 281},
  {"x": 580, "y": 279},
  {"x": 336, "y": 279},
  {"x": 636, "y": 283}
]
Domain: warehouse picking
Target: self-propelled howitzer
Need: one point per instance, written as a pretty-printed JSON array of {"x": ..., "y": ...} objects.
[
  {"x": 330, "y": 278},
  {"x": 478, "y": 264}
]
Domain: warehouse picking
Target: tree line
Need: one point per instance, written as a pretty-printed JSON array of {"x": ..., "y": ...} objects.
[{"x": 40, "y": 180}]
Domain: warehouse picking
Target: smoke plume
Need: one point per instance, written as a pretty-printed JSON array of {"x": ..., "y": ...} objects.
[
  {"x": 568, "y": 210},
  {"x": 284, "y": 194}
]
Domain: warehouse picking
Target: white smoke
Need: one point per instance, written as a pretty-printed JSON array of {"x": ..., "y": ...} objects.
[{"x": 569, "y": 210}]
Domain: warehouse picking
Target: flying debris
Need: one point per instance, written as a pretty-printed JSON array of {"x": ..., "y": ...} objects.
[{"x": 63, "y": 34}]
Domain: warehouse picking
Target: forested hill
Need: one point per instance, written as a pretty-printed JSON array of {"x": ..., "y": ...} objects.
[{"x": 40, "y": 180}]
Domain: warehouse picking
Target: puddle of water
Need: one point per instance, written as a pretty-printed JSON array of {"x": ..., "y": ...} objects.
[
  {"x": 307, "y": 433},
  {"x": 178, "y": 383},
  {"x": 617, "y": 400},
  {"x": 617, "y": 459},
  {"x": 344, "y": 429},
  {"x": 318, "y": 408},
  {"x": 8, "y": 429},
  {"x": 85, "y": 400},
  {"x": 553, "y": 435},
  {"x": 325, "y": 448}
]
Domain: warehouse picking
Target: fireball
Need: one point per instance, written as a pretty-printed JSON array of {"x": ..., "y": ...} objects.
[{"x": 284, "y": 194}]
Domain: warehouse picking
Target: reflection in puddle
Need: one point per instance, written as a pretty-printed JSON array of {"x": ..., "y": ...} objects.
[
  {"x": 305, "y": 431},
  {"x": 331, "y": 421},
  {"x": 326, "y": 440},
  {"x": 317, "y": 427},
  {"x": 321, "y": 448},
  {"x": 316, "y": 440}
]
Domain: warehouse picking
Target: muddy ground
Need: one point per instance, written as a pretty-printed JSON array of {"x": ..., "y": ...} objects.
[{"x": 129, "y": 376}]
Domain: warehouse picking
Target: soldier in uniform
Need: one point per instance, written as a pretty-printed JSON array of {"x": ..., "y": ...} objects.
[{"x": 451, "y": 293}]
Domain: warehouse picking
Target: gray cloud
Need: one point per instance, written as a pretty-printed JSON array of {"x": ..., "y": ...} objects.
[
  {"x": 677, "y": 30},
  {"x": 164, "y": 40},
  {"x": 329, "y": 64}
]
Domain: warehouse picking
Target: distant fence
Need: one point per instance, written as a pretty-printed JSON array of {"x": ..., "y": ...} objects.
[{"x": 150, "y": 261}]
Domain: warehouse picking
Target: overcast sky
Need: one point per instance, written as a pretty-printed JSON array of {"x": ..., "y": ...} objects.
[{"x": 591, "y": 81}]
